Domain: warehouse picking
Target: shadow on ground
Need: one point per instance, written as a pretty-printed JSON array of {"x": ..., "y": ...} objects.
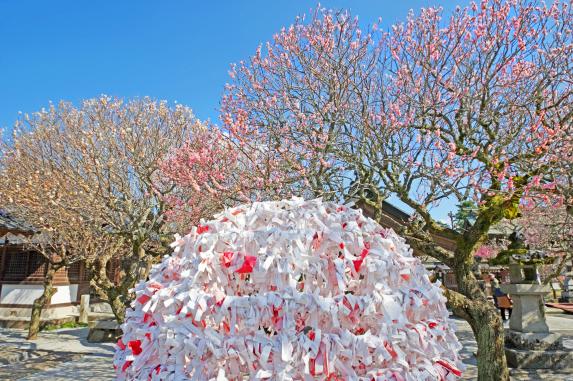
[
  {"x": 89, "y": 367},
  {"x": 466, "y": 337}
]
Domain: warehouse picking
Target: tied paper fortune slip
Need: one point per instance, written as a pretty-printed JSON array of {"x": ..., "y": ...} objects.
[{"x": 288, "y": 290}]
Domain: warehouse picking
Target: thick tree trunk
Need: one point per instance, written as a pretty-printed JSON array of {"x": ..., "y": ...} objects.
[
  {"x": 485, "y": 322},
  {"x": 105, "y": 288},
  {"x": 133, "y": 268},
  {"x": 487, "y": 326},
  {"x": 117, "y": 306},
  {"x": 117, "y": 294},
  {"x": 41, "y": 302},
  {"x": 112, "y": 297}
]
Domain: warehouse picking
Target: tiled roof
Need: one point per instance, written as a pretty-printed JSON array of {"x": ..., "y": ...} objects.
[
  {"x": 11, "y": 224},
  {"x": 394, "y": 211}
]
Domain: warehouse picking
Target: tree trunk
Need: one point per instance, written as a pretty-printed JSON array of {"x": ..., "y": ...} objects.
[
  {"x": 134, "y": 267},
  {"x": 485, "y": 322},
  {"x": 559, "y": 269},
  {"x": 105, "y": 288},
  {"x": 487, "y": 326},
  {"x": 117, "y": 307},
  {"x": 111, "y": 296},
  {"x": 41, "y": 302}
]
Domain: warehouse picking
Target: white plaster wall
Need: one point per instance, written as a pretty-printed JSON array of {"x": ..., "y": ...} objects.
[
  {"x": 27, "y": 293},
  {"x": 65, "y": 294},
  {"x": 20, "y": 293}
]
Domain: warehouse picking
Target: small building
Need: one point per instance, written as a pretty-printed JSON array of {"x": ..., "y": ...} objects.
[
  {"x": 394, "y": 217},
  {"x": 22, "y": 271}
]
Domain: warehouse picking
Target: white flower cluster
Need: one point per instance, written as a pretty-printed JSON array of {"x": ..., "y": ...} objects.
[{"x": 288, "y": 290}]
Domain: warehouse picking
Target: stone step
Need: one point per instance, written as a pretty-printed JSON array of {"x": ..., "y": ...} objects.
[
  {"x": 96, "y": 316},
  {"x": 533, "y": 341},
  {"x": 104, "y": 331},
  {"x": 539, "y": 359}
]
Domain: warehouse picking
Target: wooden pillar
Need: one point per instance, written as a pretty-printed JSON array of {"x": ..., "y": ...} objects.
[
  {"x": 3, "y": 261},
  {"x": 84, "y": 308},
  {"x": 82, "y": 276}
]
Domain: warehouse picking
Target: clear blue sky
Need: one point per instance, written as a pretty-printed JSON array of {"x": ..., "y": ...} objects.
[{"x": 174, "y": 50}]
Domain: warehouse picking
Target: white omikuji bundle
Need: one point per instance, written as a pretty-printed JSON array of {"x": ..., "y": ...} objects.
[{"x": 288, "y": 290}]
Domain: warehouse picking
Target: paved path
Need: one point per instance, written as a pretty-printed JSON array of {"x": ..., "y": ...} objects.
[
  {"x": 562, "y": 324},
  {"x": 66, "y": 355},
  {"x": 56, "y": 355}
]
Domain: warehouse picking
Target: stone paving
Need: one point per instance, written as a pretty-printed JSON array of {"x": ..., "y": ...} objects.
[
  {"x": 66, "y": 355},
  {"x": 56, "y": 355},
  {"x": 560, "y": 324}
]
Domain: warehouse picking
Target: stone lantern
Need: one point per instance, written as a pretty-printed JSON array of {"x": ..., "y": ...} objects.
[{"x": 529, "y": 344}]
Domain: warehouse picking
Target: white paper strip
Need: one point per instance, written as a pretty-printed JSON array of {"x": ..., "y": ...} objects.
[{"x": 288, "y": 290}]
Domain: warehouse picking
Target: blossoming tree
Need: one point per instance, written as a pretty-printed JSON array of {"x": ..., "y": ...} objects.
[
  {"x": 549, "y": 229},
  {"x": 475, "y": 106},
  {"x": 210, "y": 172},
  {"x": 96, "y": 167}
]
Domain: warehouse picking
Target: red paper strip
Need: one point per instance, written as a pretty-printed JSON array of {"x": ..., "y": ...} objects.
[
  {"x": 226, "y": 258},
  {"x": 143, "y": 299},
  {"x": 248, "y": 264},
  {"x": 135, "y": 346},
  {"x": 449, "y": 367},
  {"x": 202, "y": 229},
  {"x": 126, "y": 365}
]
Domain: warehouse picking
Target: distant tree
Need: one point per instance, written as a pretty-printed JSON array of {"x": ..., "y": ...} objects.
[
  {"x": 97, "y": 167},
  {"x": 201, "y": 171},
  {"x": 210, "y": 172},
  {"x": 62, "y": 249},
  {"x": 549, "y": 229},
  {"x": 477, "y": 106},
  {"x": 465, "y": 215},
  {"x": 58, "y": 235}
]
